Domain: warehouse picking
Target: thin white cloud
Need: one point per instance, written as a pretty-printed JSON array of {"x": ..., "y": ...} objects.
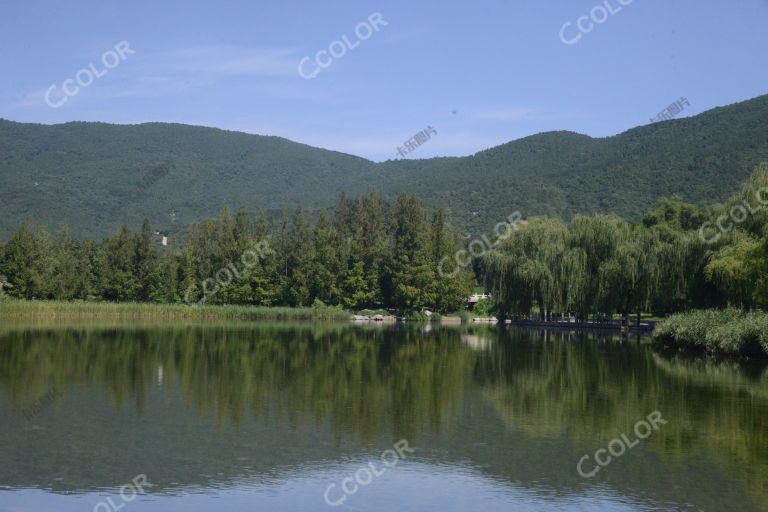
[
  {"x": 233, "y": 60},
  {"x": 403, "y": 37},
  {"x": 502, "y": 114},
  {"x": 516, "y": 114},
  {"x": 187, "y": 70},
  {"x": 30, "y": 99}
]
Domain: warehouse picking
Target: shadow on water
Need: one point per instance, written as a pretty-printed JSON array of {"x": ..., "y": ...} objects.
[{"x": 209, "y": 406}]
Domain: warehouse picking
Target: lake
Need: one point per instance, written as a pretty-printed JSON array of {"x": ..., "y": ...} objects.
[{"x": 305, "y": 417}]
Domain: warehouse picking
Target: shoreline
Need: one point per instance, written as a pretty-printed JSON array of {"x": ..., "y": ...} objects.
[
  {"x": 23, "y": 309},
  {"x": 731, "y": 332},
  {"x": 646, "y": 327}
]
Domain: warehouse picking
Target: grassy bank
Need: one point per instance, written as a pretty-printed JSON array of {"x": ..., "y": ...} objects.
[
  {"x": 132, "y": 310},
  {"x": 728, "y": 331}
]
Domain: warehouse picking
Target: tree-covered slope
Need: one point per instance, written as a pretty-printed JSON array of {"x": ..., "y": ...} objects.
[
  {"x": 704, "y": 159},
  {"x": 89, "y": 175}
]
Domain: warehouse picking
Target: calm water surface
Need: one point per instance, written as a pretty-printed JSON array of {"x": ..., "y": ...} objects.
[{"x": 275, "y": 417}]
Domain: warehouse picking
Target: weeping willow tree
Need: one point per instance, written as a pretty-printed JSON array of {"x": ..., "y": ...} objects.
[
  {"x": 749, "y": 207},
  {"x": 737, "y": 263},
  {"x": 734, "y": 269},
  {"x": 596, "y": 237},
  {"x": 629, "y": 278},
  {"x": 598, "y": 265},
  {"x": 534, "y": 266},
  {"x": 680, "y": 257}
]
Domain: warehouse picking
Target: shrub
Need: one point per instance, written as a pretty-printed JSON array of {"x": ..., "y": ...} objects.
[
  {"x": 483, "y": 308},
  {"x": 373, "y": 312},
  {"x": 728, "y": 331}
]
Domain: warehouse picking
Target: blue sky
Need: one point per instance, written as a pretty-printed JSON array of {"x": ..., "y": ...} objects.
[{"x": 481, "y": 73}]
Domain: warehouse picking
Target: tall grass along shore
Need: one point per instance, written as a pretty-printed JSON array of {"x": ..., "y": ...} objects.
[
  {"x": 727, "y": 331},
  {"x": 10, "y": 308}
]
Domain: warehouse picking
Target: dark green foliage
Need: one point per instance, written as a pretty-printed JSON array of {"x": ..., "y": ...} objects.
[
  {"x": 119, "y": 271},
  {"x": 601, "y": 265},
  {"x": 410, "y": 268},
  {"x": 483, "y": 308},
  {"x": 449, "y": 294},
  {"x": 347, "y": 261},
  {"x": 90, "y": 174},
  {"x": 728, "y": 331}
]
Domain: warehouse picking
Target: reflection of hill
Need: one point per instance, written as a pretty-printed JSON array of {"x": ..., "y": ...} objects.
[{"x": 262, "y": 402}]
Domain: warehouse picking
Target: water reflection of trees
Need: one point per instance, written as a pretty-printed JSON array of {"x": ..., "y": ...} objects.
[
  {"x": 403, "y": 380},
  {"x": 546, "y": 385},
  {"x": 359, "y": 380}
]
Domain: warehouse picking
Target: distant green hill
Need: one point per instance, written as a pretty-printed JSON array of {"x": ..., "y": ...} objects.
[{"x": 90, "y": 175}]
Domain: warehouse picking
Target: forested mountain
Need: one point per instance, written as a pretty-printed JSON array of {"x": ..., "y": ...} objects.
[{"x": 94, "y": 176}]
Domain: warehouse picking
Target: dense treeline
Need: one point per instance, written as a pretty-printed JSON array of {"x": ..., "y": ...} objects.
[
  {"x": 678, "y": 258},
  {"x": 367, "y": 254},
  {"x": 371, "y": 254}
]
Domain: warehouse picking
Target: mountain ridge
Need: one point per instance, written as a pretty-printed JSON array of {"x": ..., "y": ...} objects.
[{"x": 89, "y": 174}]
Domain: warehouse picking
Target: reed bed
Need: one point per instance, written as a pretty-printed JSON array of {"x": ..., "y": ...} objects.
[
  {"x": 20, "y": 309},
  {"x": 726, "y": 331}
]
